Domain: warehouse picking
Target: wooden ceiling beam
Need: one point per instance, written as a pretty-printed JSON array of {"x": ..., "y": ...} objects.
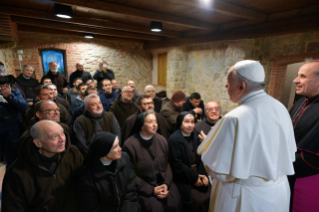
[
  {"x": 40, "y": 30},
  {"x": 294, "y": 25},
  {"x": 136, "y": 12},
  {"x": 23, "y": 12},
  {"x": 225, "y": 8},
  {"x": 76, "y": 28}
]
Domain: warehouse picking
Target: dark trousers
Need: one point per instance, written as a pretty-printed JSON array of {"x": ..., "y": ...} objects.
[{"x": 9, "y": 150}]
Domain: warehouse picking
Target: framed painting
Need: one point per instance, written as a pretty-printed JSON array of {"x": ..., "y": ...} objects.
[{"x": 54, "y": 55}]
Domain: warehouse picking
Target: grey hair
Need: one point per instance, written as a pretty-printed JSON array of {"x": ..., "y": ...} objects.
[
  {"x": 215, "y": 102},
  {"x": 26, "y": 66},
  {"x": 311, "y": 60},
  {"x": 251, "y": 86},
  {"x": 39, "y": 105},
  {"x": 36, "y": 129},
  {"x": 148, "y": 112},
  {"x": 148, "y": 86},
  {"x": 86, "y": 99}
]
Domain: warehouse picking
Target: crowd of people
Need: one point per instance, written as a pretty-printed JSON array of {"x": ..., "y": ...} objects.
[{"x": 85, "y": 144}]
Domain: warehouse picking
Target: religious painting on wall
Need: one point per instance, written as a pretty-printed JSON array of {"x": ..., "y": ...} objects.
[{"x": 54, "y": 55}]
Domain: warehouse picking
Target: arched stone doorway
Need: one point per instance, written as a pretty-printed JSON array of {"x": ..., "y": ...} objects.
[{"x": 278, "y": 72}]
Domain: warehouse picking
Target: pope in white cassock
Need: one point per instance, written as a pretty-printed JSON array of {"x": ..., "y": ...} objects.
[{"x": 250, "y": 151}]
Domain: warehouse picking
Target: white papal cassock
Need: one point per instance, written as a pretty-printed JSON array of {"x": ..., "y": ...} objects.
[{"x": 249, "y": 154}]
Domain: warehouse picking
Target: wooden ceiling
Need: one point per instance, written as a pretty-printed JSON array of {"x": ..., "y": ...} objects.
[{"x": 184, "y": 21}]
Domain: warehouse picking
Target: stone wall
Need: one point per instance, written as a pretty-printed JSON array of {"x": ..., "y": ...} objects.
[
  {"x": 6, "y": 56},
  {"x": 126, "y": 58},
  {"x": 205, "y": 65}
]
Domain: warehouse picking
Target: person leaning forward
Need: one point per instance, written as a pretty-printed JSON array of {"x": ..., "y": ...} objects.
[{"x": 41, "y": 179}]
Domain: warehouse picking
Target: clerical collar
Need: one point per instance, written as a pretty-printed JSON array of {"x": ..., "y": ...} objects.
[
  {"x": 310, "y": 100},
  {"x": 146, "y": 138},
  {"x": 27, "y": 78},
  {"x": 106, "y": 163},
  {"x": 185, "y": 134},
  {"x": 249, "y": 95}
]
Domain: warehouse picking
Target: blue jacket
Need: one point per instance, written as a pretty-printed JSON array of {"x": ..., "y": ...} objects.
[
  {"x": 107, "y": 99},
  {"x": 10, "y": 109}
]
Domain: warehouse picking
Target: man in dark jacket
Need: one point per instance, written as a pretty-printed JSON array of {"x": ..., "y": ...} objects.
[
  {"x": 41, "y": 179},
  {"x": 212, "y": 113},
  {"x": 172, "y": 109},
  {"x": 11, "y": 105},
  {"x": 58, "y": 79},
  {"x": 195, "y": 106},
  {"x": 123, "y": 106},
  {"x": 144, "y": 103},
  {"x": 79, "y": 73},
  {"x": 115, "y": 87},
  {"x": 108, "y": 96},
  {"x": 94, "y": 120},
  {"x": 150, "y": 90},
  {"x": 27, "y": 83},
  {"x": 71, "y": 94},
  {"x": 44, "y": 92},
  {"x": 103, "y": 73}
]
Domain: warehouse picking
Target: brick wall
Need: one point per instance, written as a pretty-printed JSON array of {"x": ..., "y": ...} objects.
[{"x": 127, "y": 59}]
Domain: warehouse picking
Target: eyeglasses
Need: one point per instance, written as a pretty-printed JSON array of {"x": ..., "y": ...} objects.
[
  {"x": 212, "y": 109},
  {"x": 150, "y": 91},
  {"x": 52, "y": 110},
  {"x": 148, "y": 103},
  {"x": 128, "y": 91}
]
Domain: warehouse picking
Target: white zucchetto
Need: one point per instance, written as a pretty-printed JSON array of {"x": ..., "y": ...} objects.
[{"x": 251, "y": 70}]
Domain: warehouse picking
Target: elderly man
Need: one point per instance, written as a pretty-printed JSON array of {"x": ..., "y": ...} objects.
[
  {"x": 44, "y": 92},
  {"x": 251, "y": 150},
  {"x": 27, "y": 83},
  {"x": 108, "y": 96},
  {"x": 79, "y": 73},
  {"x": 71, "y": 94},
  {"x": 58, "y": 99},
  {"x": 144, "y": 103},
  {"x": 94, "y": 120},
  {"x": 150, "y": 91},
  {"x": 305, "y": 118},
  {"x": 212, "y": 113},
  {"x": 103, "y": 73},
  {"x": 45, "y": 109},
  {"x": 42, "y": 178},
  {"x": 56, "y": 78},
  {"x": 115, "y": 87},
  {"x": 137, "y": 94},
  {"x": 11, "y": 105},
  {"x": 195, "y": 106},
  {"x": 80, "y": 110},
  {"x": 123, "y": 106},
  {"x": 172, "y": 109}
]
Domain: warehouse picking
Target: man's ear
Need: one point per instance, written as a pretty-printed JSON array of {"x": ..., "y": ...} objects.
[
  {"x": 38, "y": 143},
  {"x": 38, "y": 115},
  {"x": 242, "y": 86}
]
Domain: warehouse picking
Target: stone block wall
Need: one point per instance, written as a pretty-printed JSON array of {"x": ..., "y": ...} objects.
[
  {"x": 206, "y": 65},
  {"x": 6, "y": 56},
  {"x": 126, "y": 58}
]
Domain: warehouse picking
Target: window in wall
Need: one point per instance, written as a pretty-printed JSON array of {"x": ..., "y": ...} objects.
[
  {"x": 54, "y": 55},
  {"x": 161, "y": 68}
]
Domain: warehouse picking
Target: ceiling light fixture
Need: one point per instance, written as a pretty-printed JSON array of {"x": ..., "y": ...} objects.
[
  {"x": 88, "y": 35},
  {"x": 156, "y": 26},
  {"x": 63, "y": 11}
]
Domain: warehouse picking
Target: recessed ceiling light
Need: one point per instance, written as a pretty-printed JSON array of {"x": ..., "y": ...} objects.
[
  {"x": 88, "y": 35},
  {"x": 156, "y": 26},
  {"x": 63, "y": 11}
]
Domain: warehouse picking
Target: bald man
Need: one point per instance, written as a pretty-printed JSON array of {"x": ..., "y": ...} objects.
[
  {"x": 212, "y": 112},
  {"x": 41, "y": 179},
  {"x": 56, "y": 78},
  {"x": 137, "y": 94},
  {"x": 79, "y": 73}
]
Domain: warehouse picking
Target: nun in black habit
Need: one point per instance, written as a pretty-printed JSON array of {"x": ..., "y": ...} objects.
[
  {"x": 149, "y": 154},
  {"x": 107, "y": 180},
  {"x": 189, "y": 173}
]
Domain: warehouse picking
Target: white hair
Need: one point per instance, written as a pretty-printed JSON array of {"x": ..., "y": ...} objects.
[
  {"x": 86, "y": 100},
  {"x": 148, "y": 86}
]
